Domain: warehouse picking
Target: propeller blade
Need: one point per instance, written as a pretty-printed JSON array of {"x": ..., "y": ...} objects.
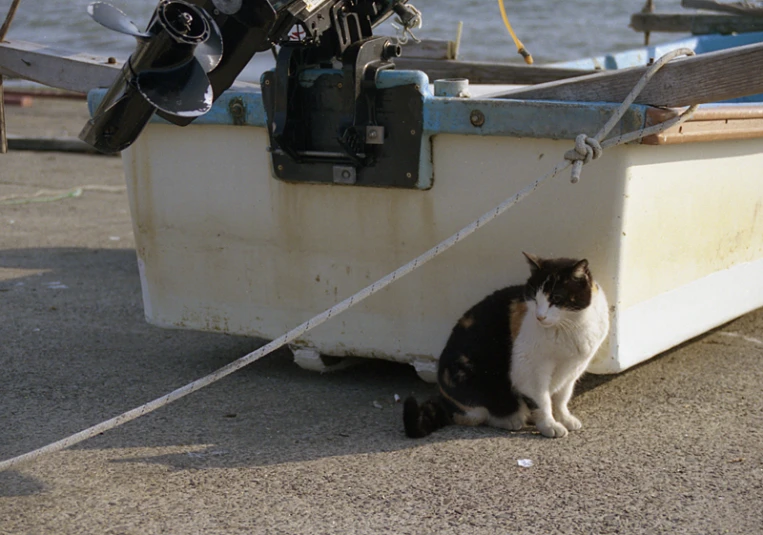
[
  {"x": 112, "y": 18},
  {"x": 210, "y": 52},
  {"x": 184, "y": 91}
]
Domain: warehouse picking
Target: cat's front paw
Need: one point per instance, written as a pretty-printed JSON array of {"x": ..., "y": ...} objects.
[
  {"x": 570, "y": 422},
  {"x": 552, "y": 429}
]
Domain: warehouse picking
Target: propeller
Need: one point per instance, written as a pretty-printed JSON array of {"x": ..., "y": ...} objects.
[
  {"x": 172, "y": 79},
  {"x": 168, "y": 72},
  {"x": 178, "y": 68}
]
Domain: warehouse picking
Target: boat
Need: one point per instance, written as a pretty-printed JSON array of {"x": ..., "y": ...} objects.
[{"x": 241, "y": 232}]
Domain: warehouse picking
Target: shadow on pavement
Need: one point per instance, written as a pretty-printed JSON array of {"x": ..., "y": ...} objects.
[
  {"x": 13, "y": 483},
  {"x": 79, "y": 351}
]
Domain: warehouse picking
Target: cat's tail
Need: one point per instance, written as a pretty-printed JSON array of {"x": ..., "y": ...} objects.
[{"x": 421, "y": 420}]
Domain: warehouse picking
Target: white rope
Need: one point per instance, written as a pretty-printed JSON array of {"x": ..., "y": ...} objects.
[
  {"x": 373, "y": 288},
  {"x": 587, "y": 149}
]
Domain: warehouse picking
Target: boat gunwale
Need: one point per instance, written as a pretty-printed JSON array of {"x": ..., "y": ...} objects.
[
  {"x": 541, "y": 119},
  {"x": 711, "y": 122}
]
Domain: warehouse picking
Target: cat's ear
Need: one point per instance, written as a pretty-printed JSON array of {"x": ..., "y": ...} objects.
[
  {"x": 580, "y": 270},
  {"x": 535, "y": 262}
]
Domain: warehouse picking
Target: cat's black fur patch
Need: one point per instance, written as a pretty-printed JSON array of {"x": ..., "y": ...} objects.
[
  {"x": 530, "y": 402},
  {"x": 421, "y": 420},
  {"x": 566, "y": 281},
  {"x": 473, "y": 369}
]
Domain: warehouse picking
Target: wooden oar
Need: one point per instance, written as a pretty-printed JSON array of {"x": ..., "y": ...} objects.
[
  {"x": 726, "y": 74},
  {"x": 56, "y": 68}
]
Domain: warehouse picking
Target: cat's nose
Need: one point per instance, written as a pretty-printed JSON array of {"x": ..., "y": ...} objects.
[{"x": 540, "y": 317}]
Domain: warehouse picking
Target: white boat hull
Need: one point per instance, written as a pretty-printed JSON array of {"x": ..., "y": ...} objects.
[{"x": 674, "y": 234}]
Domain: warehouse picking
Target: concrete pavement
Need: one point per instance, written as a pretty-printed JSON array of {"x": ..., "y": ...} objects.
[{"x": 672, "y": 446}]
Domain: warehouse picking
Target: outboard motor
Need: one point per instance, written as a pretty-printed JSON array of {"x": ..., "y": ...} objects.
[{"x": 192, "y": 51}]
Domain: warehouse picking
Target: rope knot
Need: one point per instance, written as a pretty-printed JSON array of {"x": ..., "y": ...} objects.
[{"x": 586, "y": 149}]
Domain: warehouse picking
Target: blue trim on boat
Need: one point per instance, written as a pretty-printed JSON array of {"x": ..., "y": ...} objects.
[
  {"x": 253, "y": 106},
  {"x": 444, "y": 115},
  {"x": 220, "y": 113},
  {"x": 395, "y": 78},
  {"x": 524, "y": 118}
]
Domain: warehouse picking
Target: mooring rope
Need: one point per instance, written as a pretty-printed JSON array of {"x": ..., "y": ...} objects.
[{"x": 588, "y": 149}]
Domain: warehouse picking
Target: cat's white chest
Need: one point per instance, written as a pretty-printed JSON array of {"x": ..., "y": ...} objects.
[{"x": 560, "y": 353}]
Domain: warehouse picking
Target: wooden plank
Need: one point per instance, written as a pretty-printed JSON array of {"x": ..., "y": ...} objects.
[
  {"x": 738, "y": 122},
  {"x": 61, "y": 69},
  {"x": 698, "y": 24},
  {"x": 429, "y": 49},
  {"x": 56, "y": 68},
  {"x": 725, "y": 74},
  {"x": 488, "y": 73},
  {"x": 737, "y": 8},
  {"x": 737, "y": 112}
]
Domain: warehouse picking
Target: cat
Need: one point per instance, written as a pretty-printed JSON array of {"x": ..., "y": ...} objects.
[{"x": 513, "y": 359}]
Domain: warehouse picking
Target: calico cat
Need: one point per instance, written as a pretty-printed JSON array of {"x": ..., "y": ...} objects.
[{"x": 513, "y": 358}]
